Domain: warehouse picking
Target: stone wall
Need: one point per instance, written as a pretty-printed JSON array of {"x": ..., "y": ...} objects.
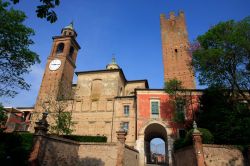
[
  {"x": 58, "y": 151},
  {"x": 184, "y": 157},
  {"x": 98, "y": 154},
  {"x": 62, "y": 152},
  {"x": 217, "y": 155},
  {"x": 131, "y": 157}
]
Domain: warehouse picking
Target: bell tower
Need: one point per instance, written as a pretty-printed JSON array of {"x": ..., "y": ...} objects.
[
  {"x": 58, "y": 75},
  {"x": 176, "y": 50}
]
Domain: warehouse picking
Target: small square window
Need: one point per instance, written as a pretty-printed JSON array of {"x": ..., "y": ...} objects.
[{"x": 126, "y": 110}]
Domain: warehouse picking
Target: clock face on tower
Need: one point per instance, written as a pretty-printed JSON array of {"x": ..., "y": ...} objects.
[{"x": 54, "y": 64}]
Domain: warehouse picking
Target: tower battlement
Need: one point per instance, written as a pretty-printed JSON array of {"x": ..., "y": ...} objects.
[{"x": 172, "y": 15}]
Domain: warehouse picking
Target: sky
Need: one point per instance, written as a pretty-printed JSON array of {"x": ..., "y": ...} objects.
[{"x": 126, "y": 29}]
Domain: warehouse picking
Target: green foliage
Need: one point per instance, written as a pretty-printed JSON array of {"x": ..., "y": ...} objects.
[
  {"x": 15, "y": 148},
  {"x": 178, "y": 99},
  {"x": 63, "y": 123},
  {"x": 15, "y": 56},
  {"x": 207, "y": 138},
  {"x": 3, "y": 116},
  {"x": 180, "y": 143},
  {"x": 179, "y": 117},
  {"x": 86, "y": 138},
  {"x": 223, "y": 57},
  {"x": 172, "y": 86},
  {"x": 45, "y": 10},
  {"x": 227, "y": 120},
  {"x": 61, "y": 119}
]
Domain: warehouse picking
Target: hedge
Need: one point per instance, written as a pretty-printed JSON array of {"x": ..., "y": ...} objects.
[
  {"x": 80, "y": 138},
  {"x": 207, "y": 138}
]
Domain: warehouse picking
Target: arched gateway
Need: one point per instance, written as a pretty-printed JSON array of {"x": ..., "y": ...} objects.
[{"x": 154, "y": 129}]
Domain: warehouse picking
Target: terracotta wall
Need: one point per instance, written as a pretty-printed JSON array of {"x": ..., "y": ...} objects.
[
  {"x": 144, "y": 98},
  {"x": 143, "y": 107}
]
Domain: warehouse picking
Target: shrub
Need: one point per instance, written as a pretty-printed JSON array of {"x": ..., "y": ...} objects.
[
  {"x": 207, "y": 138},
  {"x": 15, "y": 148},
  {"x": 179, "y": 143},
  {"x": 80, "y": 138}
]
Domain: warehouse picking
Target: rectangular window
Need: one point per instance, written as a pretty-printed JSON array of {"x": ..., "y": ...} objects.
[
  {"x": 155, "y": 107},
  {"x": 126, "y": 110},
  {"x": 125, "y": 126},
  {"x": 180, "y": 106}
]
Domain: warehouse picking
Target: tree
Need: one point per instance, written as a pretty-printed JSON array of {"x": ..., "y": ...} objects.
[
  {"x": 61, "y": 119},
  {"x": 223, "y": 57},
  {"x": 182, "y": 100},
  {"x": 227, "y": 121},
  {"x": 174, "y": 88},
  {"x": 15, "y": 56},
  {"x": 3, "y": 117},
  {"x": 45, "y": 10}
]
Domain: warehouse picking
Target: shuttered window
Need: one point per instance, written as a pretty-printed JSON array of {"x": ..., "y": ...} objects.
[{"x": 155, "y": 107}]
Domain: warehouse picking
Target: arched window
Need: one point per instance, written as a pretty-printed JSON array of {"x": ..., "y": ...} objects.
[
  {"x": 96, "y": 89},
  {"x": 71, "y": 51},
  {"x": 60, "y": 48}
]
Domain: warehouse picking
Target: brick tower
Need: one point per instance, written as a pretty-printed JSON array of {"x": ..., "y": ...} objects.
[
  {"x": 175, "y": 50},
  {"x": 58, "y": 75}
]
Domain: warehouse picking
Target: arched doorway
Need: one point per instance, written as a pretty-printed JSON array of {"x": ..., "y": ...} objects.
[
  {"x": 157, "y": 151},
  {"x": 151, "y": 132}
]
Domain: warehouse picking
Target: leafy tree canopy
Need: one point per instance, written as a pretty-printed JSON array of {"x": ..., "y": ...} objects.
[
  {"x": 223, "y": 57},
  {"x": 15, "y": 56},
  {"x": 172, "y": 86},
  {"x": 45, "y": 9},
  {"x": 227, "y": 121}
]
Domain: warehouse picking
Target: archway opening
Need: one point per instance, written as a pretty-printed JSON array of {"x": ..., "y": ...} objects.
[
  {"x": 155, "y": 144},
  {"x": 157, "y": 151}
]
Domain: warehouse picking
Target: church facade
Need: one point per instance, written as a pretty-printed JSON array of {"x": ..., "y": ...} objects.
[{"x": 103, "y": 101}]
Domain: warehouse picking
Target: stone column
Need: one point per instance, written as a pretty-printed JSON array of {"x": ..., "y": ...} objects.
[
  {"x": 197, "y": 144},
  {"x": 121, "y": 137},
  {"x": 40, "y": 131},
  {"x": 140, "y": 147},
  {"x": 170, "y": 151}
]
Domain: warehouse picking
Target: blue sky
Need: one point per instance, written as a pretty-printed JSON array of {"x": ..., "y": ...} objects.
[{"x": 130, "y": 29}]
